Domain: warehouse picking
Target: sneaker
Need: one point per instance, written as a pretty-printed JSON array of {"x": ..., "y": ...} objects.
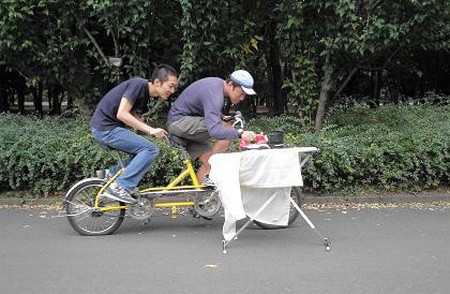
[
  {"x": 108, "y": 177},
  {"x": 115, "y": 192},
  {"x": 207, "y": 181}
]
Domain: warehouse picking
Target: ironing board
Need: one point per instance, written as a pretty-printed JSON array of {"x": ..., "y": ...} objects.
[{"x": 257, "y": 184}]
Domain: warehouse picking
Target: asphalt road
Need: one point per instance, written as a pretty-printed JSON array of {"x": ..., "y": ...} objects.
[{"x": 374, "y": 250}]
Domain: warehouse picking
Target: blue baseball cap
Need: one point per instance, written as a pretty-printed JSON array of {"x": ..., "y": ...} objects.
[{"x": 243, "y": 79}]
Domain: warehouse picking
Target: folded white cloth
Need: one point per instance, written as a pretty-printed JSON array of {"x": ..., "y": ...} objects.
[{"x": 246, "y": 180}]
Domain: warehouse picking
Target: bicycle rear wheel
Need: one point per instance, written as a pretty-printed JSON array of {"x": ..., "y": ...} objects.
[
  {"x": 297, "y": 196},
  {"x": 84, "y": 218}
]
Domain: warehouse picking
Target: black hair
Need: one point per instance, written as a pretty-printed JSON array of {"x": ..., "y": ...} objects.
[
  {"x": 162, "y": 73},
  {"x": 232, "y": 82}
]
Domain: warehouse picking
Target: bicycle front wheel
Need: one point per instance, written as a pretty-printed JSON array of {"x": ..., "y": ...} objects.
[{"x": 84, "y": 217}]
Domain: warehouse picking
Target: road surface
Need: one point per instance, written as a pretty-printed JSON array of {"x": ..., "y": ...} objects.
[{"x": 374, "y": 250}]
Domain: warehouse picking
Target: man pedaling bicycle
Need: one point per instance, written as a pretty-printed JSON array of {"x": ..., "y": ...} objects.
[
  {"x": 116, "y": 111},
  {"x": 196, "y": 117}
]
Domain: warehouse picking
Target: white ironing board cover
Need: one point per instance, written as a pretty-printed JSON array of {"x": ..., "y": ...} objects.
[{"x": 246, "y": 180}]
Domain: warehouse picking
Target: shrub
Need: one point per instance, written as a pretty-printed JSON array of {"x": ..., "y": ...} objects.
[
  {"x": 48, "y": 155},
  {"x": 392, "y": 148}
]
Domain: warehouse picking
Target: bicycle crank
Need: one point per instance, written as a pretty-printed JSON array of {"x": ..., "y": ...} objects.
[
  {"x": 207, "y": 203},
  {"x": 142, "y": 210}
]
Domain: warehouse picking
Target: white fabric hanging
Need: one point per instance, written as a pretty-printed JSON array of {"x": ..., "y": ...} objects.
[{"x": 246, "y": 180}]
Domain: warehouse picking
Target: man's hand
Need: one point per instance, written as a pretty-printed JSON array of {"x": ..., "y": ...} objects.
[
  {"x": 249, "y": 136},
  {"x": 158, "y": 132},
  {"x": 227, "y": 118}
]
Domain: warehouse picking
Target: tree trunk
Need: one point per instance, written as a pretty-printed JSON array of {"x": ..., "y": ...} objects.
[
  {"x": 325, "y": 92},
  {"x": 54, "y": 97},
  {"x": 375, "y": 93},
  {"x": 20, "y": 87},
  {"x": 277, "y": 79},
  {"x": 50, "y": 98},
  {"x": 69, "y": 100},
  {"x": 4, "y": 97},
  {"x": 37, "y": 97},
  {"x": 21, "y": 100},
  {"x": 4, "y": 106}
]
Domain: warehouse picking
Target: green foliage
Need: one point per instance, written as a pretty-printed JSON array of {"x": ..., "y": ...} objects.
[
  {"x": 346, "y": 37},
  {"x": 285, "y": 123},
  {"x": 141, "y": 38},
  {"x": 390, "y": 148},
  {"x": 301, "y": 82},
  {"x": 67, "y": 44},
  {"x": 218, "y": 36},
  {"x": 393, "y": 148},
  {"x": 362, "y": 29},
  {"x": 45, "y": 155},
  {"x": 48, "y": 155}
]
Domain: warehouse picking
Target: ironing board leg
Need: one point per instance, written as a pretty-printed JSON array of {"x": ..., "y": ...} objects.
[
  {"x": 326, "y": 239},
  {"x": 225, "y": 242}
]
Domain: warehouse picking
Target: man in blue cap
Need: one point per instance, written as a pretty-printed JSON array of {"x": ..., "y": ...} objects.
[{"x": 196, "y": 116}]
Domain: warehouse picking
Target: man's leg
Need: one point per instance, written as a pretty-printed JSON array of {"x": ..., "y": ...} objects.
[
  {"x": 114, "y": 169},
  {"x": 195, "y": 130},
  {"x": 144, "y": 151},
  {"x": 100, "y": 136},
  {"x": 219, "y": 146}
]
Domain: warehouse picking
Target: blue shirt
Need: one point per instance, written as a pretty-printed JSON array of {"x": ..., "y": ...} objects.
[
  {"x": 134, "y": 90},
  {"x": 204, "y": 98}
]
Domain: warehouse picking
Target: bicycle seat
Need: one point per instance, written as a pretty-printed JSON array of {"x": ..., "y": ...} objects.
[{"x": 178, "y": 143}]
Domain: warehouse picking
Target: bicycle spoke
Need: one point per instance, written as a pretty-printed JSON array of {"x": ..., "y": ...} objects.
[{"x": 87, "y": 219}]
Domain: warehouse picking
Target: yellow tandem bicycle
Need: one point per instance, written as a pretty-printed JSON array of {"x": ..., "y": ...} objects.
[{"x": 90, "y": 212}]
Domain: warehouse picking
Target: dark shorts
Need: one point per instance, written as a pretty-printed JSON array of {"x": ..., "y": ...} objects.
[{"x": 193, "y": 133}]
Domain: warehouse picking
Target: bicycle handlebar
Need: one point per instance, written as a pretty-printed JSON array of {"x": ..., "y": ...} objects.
[{"x": 236, "y": 119}]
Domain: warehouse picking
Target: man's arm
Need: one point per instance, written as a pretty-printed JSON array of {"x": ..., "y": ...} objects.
[{"x": 124, "y": 115}]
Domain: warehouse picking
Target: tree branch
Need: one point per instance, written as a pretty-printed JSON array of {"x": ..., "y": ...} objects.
[
  {"x": 347, "y": 80},
  {"x": 375, "y": 4},
  {"x": 100, "y": 51},
  {"x": 116, "y": 46}
]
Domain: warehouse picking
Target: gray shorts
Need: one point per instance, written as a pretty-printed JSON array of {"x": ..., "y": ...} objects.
[{"x": 193, "y": 133}]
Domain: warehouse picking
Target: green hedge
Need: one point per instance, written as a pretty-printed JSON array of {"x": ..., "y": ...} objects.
[
  {"x": 390, "y": 148},
  {"x": 44, "y": 156}
]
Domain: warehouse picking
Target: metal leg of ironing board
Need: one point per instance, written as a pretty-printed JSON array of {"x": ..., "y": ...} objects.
[
  {"x": 225, "y": 242},
  {"x": 326, "y": 239}
]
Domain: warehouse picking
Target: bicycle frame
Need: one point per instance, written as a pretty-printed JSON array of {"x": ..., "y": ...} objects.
[{"x": 173, "y": 187}]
